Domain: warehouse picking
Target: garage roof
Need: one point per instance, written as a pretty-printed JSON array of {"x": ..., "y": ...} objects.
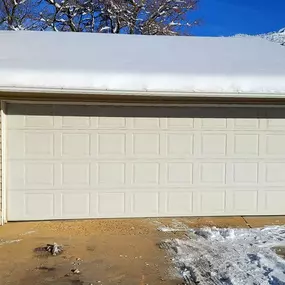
[{"x": 96, "y": 63}]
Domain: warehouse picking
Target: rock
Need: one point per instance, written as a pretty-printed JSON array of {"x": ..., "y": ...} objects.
[
  {"x": 54, "y": 248},
  {"x": 75, "y": 271}
]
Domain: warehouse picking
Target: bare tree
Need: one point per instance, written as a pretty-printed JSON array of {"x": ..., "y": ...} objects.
[
  {"x": 159, "y": 17},
  {"x": 17, "y": 14}
]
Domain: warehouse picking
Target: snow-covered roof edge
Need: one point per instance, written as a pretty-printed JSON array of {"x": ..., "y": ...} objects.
[
  {"x": 146, "y": 66},
  {"x": 165, "y": 94}
]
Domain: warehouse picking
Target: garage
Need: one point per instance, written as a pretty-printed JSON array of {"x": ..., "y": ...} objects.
[
  {"x": 70, "y": 161},
  {"x": 156, "y": 127}
]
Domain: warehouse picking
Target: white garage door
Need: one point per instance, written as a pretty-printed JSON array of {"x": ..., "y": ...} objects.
[{"x": 68, "y": 162}]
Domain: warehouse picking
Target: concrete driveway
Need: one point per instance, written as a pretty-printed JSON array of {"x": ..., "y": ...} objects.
[{"x": 101, "y": 251}]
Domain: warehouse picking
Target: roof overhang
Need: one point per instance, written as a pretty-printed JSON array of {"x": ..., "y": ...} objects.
[{"x": 123, "y": 97}]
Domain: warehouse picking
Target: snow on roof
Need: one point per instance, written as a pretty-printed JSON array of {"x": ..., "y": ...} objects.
[{"x": 94, "y": 63}]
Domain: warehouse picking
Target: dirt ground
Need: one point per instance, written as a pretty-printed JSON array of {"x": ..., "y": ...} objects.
[{"x": 103, "y": 251}]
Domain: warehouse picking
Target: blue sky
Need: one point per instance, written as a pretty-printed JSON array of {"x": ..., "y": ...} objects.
[{"x": 229, "y": 17}]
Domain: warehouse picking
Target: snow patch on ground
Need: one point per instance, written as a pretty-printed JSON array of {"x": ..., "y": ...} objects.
[
  {"x": 3, "y": 242},
  {"x": 176, "y": 226},
  {"x": 27, "y": 233},
  {"x": 230, "y": 256}
]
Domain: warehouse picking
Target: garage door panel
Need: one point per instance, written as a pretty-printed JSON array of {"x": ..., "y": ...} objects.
[
  {"x": 27, "y": 144},
  {"x": 275, "y": 124},
  {"x": 274, "y": 173},
  {"x": 213, "y": 144},
  {"x": 75, "y": 174},
  {"x": 245, "y": 144},
  {"x": 214, "y": 123},
  {"x": 109, "y": 144},
  {"x": 274, "y": 201},
  {"x": 275, "y": 144},
  {"x": 178, "y": 145},
  {"x": 75, "y": 122},
  {"x": 75, "y": 145},
  {"x": 110, "y": 174},
  {"x": 179, "y": 173},
  {"x": 145, "y": 173},
  {"x": 31, "y": 205},
  {"x": 146, "y": 123},
  {"x": 245, "y": 173},
  {"x": 145, "y": 203},
  {"x": 180, "y": 124},
  {"x": 112, "y": 204},
  {"x": 31, "y": 175},
  {"x": 213, "y": 173},
  {"x": 212, "y": 202},
  {"x": 146, "y": 144},
  {"x": 75, "y": 205},
  {"x": 111, "y": 123},
  {"x": 180, "y": 203},
  {"x": 107, "y": 161},
  {"x": 246, "y": 124},
  {"x": 245, "y": 201}
]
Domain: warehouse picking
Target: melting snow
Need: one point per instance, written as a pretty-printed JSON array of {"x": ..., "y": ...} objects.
[
  {"x": 230, "y": 256},
  {"x": 2, "y": 242}
]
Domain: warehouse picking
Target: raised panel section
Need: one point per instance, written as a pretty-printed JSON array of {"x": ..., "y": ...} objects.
[
  {"x": 39, "y": 174},
  {"x": 212, "y": 202},
  {"x": 246, "y": 123},
  {"x": 214, "y": 144},
  {"x": 75, "y": 174},
  {"x": 179, "y": 144},
  {"x": 75, "y": 205},
  {"x": 180, "y": 173},
  {"x": 146, "y": 173},
  {"x": 111, "y": 203},
  {"x": 75, "y": 145},
  {"x": 38, "y": 143},
  {"x": 111, "y": 173},
  {"x": 274, "y": 201},
  {"x": 16, "y": 176},
  {"x": 75, "y": 122},
  {"x": 38, "y": 122},
  {"x": 245, "y": 201},
  {"x": 180, "y": 123},
  {"x": 145, "y": 144},
  {"x": 39, "y": 205},
  {"x": 211, "y": 123},
  {"x": 275, "y": 144},
  {"x": 275, "y": 172},
  {"x": 146, "y": 123},
  {"x": 111, "y": 122},
  {"x": 245, "y": 172},
  {"x": 145, "y": 203},
  {"x": 246, "y": 144},
  {"x": 111, "y": 144},
  {"x": 273, "y": 124},
  {"x": 212, "y": 172},
  {"x": 180, "y": 203}
]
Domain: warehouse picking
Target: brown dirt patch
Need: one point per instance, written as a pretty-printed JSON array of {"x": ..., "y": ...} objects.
[{"x": 103, "y": 251}]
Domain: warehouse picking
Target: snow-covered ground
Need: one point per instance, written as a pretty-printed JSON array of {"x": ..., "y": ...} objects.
[{"x": 228, "y": 256}]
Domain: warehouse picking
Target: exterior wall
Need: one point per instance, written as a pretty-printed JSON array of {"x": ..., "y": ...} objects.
[{"x": 1, "y": 205}]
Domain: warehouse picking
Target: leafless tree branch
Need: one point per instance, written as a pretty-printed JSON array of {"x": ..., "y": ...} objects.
[{"x": 160, "y": 17}]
